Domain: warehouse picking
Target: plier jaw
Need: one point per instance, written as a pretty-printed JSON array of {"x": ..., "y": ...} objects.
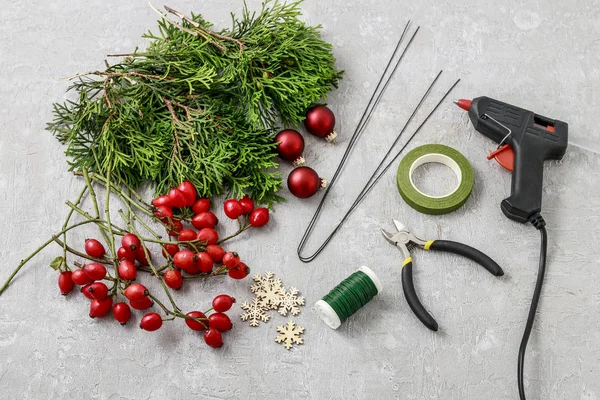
[{"x": 403, "y": 239}]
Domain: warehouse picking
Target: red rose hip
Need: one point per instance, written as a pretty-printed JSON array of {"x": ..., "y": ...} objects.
[
  {"x": 259, "y": 217},
  {"x": 233, "y": 209},
  {"x": 94, "y": 248},
  {"x": 65, "y": 283},
  {"x": 125, "y": 254},
  {"x": 136, "y": 292},
  {"x": 197, "y": 325},
  {"x": 204, "y": 220},
  {"x": 231, "y": 260},
  {"x": 127, "y": 270},
  {"x": 205, "y": 263},
  {"x": 189, "y": 192},
  {"x": 130, "y": 241},
  {"x": 98, "y": 290},
  {"x": 170, "y": 249},
  {"x": 239, "y": 272},
  {"x": 213, "y": 338},
  {"x": 222, "y": 303},
  {"x": 151, "y": 322},
  {"x": 162, "y": 201},
  {"x": 219, "y": 321},
  {"x": 95, "y": 271},
  {"x": 200, "y": 206},
  {"x": 143, "y": 304},
  {"x": 187, "y": 235},
  {"x": 215, "y": 252},
  {"x": 100, "y": 308},
  {"x": 208, "y": 236},
  {"x": 173, "y": 279},
  {"x": 247, "y": 204},
  {"x": 140, "y": 256},
  {"x": 122, "y": 312},
  {"x": 177, "y": 198},
  {"x": 175, "y": 227},
  {"x": 79, "y": 277}
]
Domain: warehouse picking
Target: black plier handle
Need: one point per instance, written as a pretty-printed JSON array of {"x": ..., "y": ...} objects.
[
  {"x": 442, "y": 245},
  {"x": 405, "y": 241}
]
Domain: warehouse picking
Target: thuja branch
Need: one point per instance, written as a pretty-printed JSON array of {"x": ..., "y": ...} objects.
[{"x": 190, "y": 108}]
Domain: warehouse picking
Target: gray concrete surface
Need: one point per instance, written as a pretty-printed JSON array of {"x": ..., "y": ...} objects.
[{"x": 543, "y": 55}]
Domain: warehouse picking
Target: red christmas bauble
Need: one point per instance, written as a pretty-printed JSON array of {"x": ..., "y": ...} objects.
[
  {"x": 320, "y": 122},
  {"x": 290, "y": 146},
  {"x": 304, "y": 182}
]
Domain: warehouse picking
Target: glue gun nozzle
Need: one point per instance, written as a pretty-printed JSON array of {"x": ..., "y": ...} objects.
[{"x": 463, "y": 103}]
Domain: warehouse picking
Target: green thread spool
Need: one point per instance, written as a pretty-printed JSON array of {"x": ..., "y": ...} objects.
[{"x": 348, "y": 297}]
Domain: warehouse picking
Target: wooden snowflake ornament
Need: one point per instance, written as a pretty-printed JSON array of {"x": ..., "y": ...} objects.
[
  {"x": 255, "y": 312},
  {"x": 290, "y": 302},
  {"x": 267, "y": 289},
  {"x": 290, "y": 334}
]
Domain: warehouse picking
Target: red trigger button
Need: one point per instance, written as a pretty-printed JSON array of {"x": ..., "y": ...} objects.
[{"x": 504, "y": 156}]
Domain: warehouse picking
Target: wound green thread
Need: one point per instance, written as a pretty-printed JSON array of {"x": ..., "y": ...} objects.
[{"x": 351, "y": 295}]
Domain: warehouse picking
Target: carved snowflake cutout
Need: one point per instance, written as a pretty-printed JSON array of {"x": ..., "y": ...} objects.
[
  {"x": 255, "y": 312},
  {"x": 290, "y": 302},
  {"x": 267, "y": 289},
  {"x": 290, "y": 334}
]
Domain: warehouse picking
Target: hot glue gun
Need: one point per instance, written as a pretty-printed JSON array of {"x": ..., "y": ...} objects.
[
  {"x": 533, "y": 139},
  {"x": 525, "y": 140}
]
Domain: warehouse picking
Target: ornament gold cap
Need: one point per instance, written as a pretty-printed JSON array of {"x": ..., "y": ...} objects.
[
  {"x": 299, "y": 161},
  {"x": 323, "y": 183},
  {"x": 331, "y": 137}
]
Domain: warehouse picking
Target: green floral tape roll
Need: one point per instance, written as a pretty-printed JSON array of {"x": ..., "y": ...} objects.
[{"x": 435, "y": 153}]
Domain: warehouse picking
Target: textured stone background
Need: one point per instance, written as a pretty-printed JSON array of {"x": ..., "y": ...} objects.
[{"x": 542, "y": 55}]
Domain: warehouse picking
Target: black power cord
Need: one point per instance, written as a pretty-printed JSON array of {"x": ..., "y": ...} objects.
[{"x": 540, "y": 224}]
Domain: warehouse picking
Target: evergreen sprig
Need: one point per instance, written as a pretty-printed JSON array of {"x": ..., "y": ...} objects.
[{"x": 198, "y": 104}]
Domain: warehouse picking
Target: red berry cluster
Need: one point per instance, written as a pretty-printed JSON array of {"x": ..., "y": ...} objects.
[
  {"x": 201, "y": 259},
  {"x": 193, "y": 251}
]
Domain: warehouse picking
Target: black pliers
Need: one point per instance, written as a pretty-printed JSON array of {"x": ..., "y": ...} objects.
[{"x": 406, "y": 241}]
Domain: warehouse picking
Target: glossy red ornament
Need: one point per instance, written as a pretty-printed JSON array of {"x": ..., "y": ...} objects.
[
  {"x": 290, "y": 146},
  {"x": 304, "y": 182},
  {"x": 320, "y": 122}
]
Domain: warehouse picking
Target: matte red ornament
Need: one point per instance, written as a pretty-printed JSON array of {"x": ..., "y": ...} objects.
[
  {"x": 290, "y": 146},
  {"x": 304, "y": 182},
  {"x": 320, "y": 122}
]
